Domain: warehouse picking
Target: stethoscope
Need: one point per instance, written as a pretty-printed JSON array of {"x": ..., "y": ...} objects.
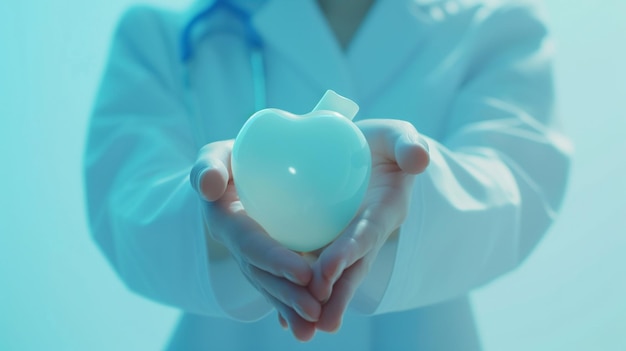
[{"x": 257, "y": 64}]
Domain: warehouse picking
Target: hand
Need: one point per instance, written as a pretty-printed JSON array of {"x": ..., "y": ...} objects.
[
  {"x": 398, "y": 154},
  {"x": 278, "y": 273}
]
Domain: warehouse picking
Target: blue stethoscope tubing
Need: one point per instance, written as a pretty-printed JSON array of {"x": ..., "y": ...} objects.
[{"x": 257, "y": 63}]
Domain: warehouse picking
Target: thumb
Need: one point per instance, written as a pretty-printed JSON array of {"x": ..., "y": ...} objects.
[
  {"x": 211, "y": 173},
  {"x": 397, "y": 141},
  {"x": 411, "y": 152}
]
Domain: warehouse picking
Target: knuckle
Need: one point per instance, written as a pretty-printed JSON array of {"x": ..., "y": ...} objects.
[
  {"x": 330, "y": 271},
  {"x": 296, "y": 298},
  {"x": 406, "y": 126},
  {"x": 328, "y": 274},
  {"x": 367, "y": 230}
]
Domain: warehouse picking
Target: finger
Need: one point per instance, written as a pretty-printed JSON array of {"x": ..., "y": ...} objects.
[
  {"x": 247, "y": 241},
  {"x": 282, "y": 321},
  {"x": 361, "y": 236},
  {"x": 291, "y": 295},
  {"x": 301, "y": 329},
  {"x": 396, "y": 141},
  {"x": 411, "y": 152},
  {"x": 211, "y": 172},
  {"x": 267, "y": 254},
  {"x": 346, "y": 286}
]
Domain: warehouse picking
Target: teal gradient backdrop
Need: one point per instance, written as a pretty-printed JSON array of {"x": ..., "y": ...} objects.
[{"x": 57, "y": 292}]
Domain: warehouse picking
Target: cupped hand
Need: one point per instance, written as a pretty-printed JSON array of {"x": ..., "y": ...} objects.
[
  {"x": 278, "y": 273},
  {"x": 398, "y": 154}
]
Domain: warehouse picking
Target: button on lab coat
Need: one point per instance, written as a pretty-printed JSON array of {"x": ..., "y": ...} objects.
[{"x": 474, "y": 77}]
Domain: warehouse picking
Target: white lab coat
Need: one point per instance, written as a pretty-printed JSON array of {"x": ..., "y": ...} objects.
[{"x": 474, "y": 77}]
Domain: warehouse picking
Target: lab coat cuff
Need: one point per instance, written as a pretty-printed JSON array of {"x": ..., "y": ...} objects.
[
  {"x": 205, "y": 283},
  {"x": 227, "y": 288},
  {"x": 403, "y": 280}
]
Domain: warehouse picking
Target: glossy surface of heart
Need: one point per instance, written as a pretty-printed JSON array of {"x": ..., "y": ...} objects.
[{"x": 302, "y": 178}]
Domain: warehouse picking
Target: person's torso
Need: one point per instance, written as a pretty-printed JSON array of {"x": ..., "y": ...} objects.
[{"x": 405, "y": 62}]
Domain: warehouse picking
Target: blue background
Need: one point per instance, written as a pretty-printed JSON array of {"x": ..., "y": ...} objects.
[{"x": 58, "y": 293}]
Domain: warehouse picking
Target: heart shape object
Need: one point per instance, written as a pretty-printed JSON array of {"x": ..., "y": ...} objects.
[{"x": 302, "y": 177}]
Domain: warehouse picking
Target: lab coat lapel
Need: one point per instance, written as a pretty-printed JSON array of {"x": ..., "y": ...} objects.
[
  {"x": 393, "y": 31},
  {"x": 300, "y": 36}
]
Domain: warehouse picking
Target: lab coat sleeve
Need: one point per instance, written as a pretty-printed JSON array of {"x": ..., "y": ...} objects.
[
  {"x": 143, "y": 213},
  {"x": 496, "y": 180}
]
